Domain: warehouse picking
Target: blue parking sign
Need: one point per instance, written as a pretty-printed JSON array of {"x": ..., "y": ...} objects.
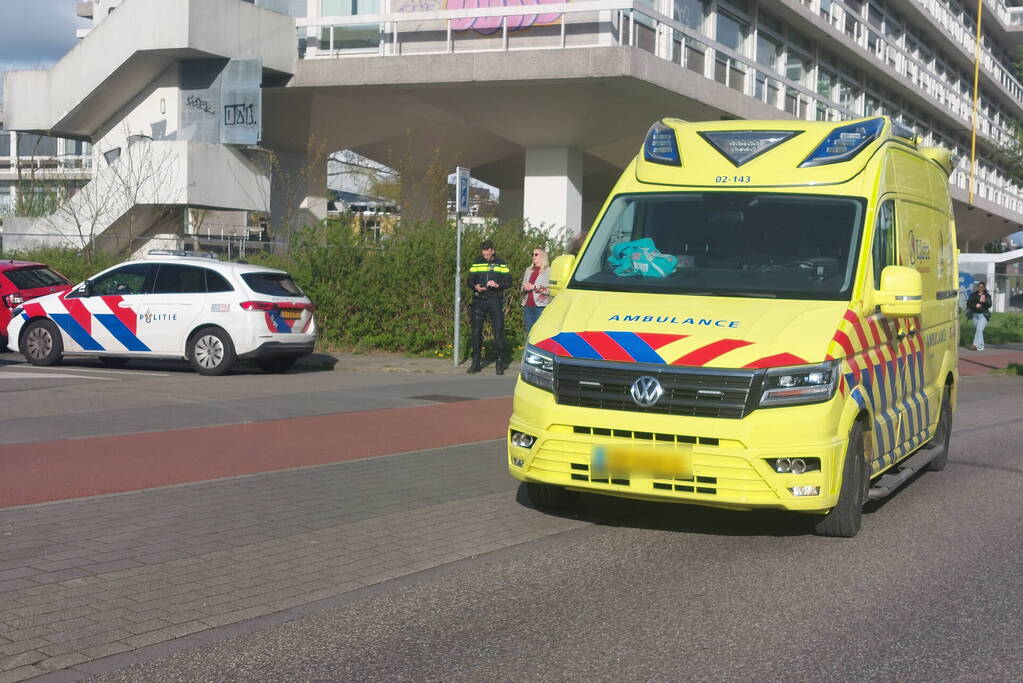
[{"x": 462, "y": 190}]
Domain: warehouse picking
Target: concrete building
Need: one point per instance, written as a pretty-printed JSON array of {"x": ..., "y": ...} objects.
[{"x": 547, "y": 103}]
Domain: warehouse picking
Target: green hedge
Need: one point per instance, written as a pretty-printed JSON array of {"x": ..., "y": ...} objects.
[
  {"x": 398, "y": 295},
  {"x": 70, "y": 262},
  {"x": 1003, "y": 328}
]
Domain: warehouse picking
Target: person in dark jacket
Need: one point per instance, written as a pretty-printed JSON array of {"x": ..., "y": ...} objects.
[
  {"x": 488, "y": 278},
  {"x": 978, "y": 307}
]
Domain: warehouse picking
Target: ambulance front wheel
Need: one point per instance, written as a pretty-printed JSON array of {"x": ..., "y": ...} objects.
[
  {"x": 942, "y": 434},
  {"x": 845, "y": 518},
  {"x": 549, "y": 497},
  {"x": 211, "y": 351},
  {"x": 41, "y": 343}
]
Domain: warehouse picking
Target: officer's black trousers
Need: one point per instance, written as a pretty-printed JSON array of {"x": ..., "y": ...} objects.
[{"x": 479, "y": 309}]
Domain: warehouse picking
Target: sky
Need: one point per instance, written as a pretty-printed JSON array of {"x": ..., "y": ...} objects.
[{"x": 36, "y": 33}]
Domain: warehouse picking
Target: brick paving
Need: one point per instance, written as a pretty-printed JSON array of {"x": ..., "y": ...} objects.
[{"x": 85, "y": 579}]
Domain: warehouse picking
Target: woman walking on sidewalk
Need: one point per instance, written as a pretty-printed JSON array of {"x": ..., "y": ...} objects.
[{"x": 978, "y": 307}]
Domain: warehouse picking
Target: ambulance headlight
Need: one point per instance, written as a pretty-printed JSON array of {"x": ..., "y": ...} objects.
[
  {"x": 800, "y": 384},
  {"x": 538, "y": 368}
]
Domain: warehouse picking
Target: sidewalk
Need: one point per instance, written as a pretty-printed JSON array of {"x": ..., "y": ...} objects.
[{"x": 993, "y": 357}]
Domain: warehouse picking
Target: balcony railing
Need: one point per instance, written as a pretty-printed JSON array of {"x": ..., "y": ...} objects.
[{"x": 597, "y": 23}]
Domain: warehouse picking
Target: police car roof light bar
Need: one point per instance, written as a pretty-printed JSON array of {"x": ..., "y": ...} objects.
[{"x": 181, "y": 253}]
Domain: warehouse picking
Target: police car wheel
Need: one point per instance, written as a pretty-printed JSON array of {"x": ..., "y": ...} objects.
[
  {"x": 845, "y": 518},
  {"x": 276, "y": 364},
  {"x": 211, "y": 352},
  {"x": 41, "y": 343},
  {"x": 549, "y": 497},
  {"x": 942, "y": 434}
]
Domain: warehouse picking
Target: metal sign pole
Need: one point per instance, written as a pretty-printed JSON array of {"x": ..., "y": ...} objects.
[
  {"x": 461, "y": 206},
  {"x": 456, "y": 355}
]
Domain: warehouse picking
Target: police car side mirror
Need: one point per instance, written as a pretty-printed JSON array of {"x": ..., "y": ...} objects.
[
  {"x": 901, "y": 294},
  {"x": 561, "y": 268},
  {"x": 85, "y": 289}
]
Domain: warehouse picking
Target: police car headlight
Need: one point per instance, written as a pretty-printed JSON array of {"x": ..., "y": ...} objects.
[
  {"x": 538, "y": 368},
  {"x": 800, "y": 384}
]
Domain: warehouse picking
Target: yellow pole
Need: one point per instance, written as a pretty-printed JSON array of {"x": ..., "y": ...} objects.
[{"x": 976, "y": 98}]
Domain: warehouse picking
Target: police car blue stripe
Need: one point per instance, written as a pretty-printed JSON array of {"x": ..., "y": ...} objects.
[
  {"x": 121, "y": 332},
  {"x": 279, "y": 322},
  {"x": 636, "y": 347},
  {"x": 76, "y": 332},
  {"x": 576, "y": 346}
]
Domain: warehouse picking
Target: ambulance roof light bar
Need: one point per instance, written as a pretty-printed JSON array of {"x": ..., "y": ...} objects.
[
  {"x": 845, "y": 142},
  {"x": 661, "y": 145}
]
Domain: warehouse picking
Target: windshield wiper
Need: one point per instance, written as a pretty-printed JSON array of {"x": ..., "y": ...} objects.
[{"x": 756, "y": 295}]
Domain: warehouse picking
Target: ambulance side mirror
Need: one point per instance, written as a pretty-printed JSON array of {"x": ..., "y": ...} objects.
[
  {"x": 560, "y": 270},
  {"x": 901, "y": 294}
]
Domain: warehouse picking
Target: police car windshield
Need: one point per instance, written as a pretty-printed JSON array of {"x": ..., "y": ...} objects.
[{"x": 743, "y": 244}]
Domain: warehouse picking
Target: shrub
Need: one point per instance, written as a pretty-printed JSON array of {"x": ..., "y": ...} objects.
[
  {"x": 71, "y": 262},
  {"x": 398, "y": 294},
  {"x": 1003, "y": 328}
]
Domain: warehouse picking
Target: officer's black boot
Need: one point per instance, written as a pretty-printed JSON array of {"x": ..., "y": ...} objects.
[{"x": 474, "y": 367}]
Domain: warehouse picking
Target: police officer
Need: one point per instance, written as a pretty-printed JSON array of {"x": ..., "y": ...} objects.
[{"x": 489, "y": 276}]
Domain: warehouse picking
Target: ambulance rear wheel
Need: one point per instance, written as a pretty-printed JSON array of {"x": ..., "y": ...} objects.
[
  {"x": 41, "y": 343},
  {"x": 211, "y": 351},
  {"x": 942, "y": 434},
  {"x": 549, "y": 497},
  {"x": 845, "y": 518}
]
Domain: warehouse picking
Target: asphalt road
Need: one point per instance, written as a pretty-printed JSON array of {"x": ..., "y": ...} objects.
[
  {"x": 81, "y": 398},
  {"x": 929, "y": 590}
]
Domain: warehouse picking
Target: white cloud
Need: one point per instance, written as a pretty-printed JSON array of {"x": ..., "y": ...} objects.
[{"x": 36, "y": 33}]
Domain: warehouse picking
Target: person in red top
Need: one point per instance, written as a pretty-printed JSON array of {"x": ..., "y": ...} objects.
[{"x": 534, "y": 284}]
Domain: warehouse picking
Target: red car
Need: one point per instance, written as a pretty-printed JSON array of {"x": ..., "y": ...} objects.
[{"x": 21, "y": 281}]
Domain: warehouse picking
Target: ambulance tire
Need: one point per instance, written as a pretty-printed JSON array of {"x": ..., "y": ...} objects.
[
  {"x": 211, "y": 351},
  {"x": 942, "y": 434},
  {"x": 844, "y": 519},
  {"x": 549, "y": 496},
  {"x": 277, "y": 363},
  {"x": 41, "y": 343}
]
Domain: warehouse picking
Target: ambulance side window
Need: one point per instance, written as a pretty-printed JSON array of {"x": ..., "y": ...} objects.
[
  {"x": 884, "y": 240},
  {"x": 133, "y": 279}
]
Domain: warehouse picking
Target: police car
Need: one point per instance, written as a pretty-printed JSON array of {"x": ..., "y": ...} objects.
[{"x": 172, "y": 305}]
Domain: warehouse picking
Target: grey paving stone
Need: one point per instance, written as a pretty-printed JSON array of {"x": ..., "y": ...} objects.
[
  {"x": 21, "y": 674},
  {"x": 20, "y": 660}
]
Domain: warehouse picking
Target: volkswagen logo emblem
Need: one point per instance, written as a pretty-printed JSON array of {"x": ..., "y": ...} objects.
[{"x": 646, "y": 391}]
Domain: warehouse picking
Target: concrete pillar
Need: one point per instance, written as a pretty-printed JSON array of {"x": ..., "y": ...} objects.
[
  {"x": 509, "y": 206},
  {"x": 552, "y": 188},
  {"x": 298, "y": 192}
]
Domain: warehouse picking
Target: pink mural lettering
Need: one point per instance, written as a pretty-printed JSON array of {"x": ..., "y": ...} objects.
[{"x": 489, "y": 25}]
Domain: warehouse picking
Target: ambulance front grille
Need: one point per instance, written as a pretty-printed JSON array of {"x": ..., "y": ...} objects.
[{"x": 692, "y": 392}]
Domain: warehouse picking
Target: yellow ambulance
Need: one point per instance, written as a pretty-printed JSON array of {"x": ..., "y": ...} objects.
[{"x": 762, "y": 316}]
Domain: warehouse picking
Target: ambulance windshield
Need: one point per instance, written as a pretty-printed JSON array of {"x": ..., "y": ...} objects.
[{"x": 751, "y": 244}]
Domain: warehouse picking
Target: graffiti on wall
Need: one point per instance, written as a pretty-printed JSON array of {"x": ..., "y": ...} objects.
[{"x": 486, "y": 25}]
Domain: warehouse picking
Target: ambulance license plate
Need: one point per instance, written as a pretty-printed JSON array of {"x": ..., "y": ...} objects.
[{"x": 674, "y": 461}]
